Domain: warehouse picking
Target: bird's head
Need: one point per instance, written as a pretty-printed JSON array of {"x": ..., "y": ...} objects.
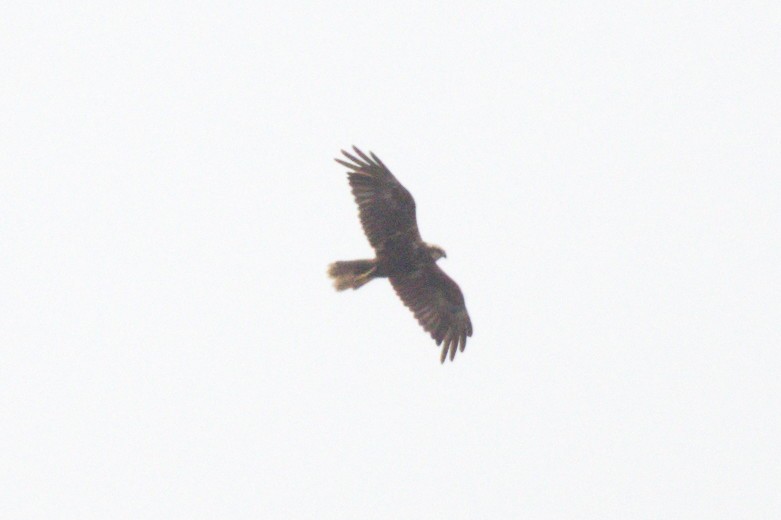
[{"x": 436, "y": 252}]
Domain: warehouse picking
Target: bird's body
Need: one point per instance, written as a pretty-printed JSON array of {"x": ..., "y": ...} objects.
[{"x": 387, "y": 214}]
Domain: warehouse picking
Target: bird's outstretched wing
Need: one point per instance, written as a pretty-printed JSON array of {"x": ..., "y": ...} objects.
[
  {"x": 386, "y": 208},
  {"x": 437, "y": 303}
]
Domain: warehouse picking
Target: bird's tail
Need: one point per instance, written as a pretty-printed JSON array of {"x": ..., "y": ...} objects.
[{"x": 352, "y": 274}]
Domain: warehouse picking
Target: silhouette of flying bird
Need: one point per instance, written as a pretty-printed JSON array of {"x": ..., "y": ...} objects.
[{"x": 387, "y": 213}]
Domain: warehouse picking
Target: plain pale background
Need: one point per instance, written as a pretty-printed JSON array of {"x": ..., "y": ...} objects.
[{"x": 604, "y": 177}]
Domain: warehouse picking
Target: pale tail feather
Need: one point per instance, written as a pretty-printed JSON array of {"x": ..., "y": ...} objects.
[{"x": 351, "y": 274}]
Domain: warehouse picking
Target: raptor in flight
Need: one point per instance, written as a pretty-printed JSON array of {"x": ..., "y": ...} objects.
[{"x": 387, "y": 214}]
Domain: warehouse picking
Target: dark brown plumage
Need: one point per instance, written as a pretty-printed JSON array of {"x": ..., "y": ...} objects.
[{"x": 387, "y": 214}]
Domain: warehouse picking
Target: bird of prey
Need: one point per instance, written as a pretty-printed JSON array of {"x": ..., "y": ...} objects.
[{"x": 387, "y": 213}]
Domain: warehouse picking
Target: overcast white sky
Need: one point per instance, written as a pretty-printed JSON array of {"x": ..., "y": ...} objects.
[{"x": 605, "y": 179}]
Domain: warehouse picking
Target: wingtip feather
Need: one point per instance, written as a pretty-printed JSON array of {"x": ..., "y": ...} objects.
[
  {"x": 377, "y": 160},
  {"x": 344, "y": 163},
  {"x": 362, "y": 155}
]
